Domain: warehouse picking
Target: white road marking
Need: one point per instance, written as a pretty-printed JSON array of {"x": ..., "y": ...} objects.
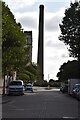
[
  {"x": 69, "y": 118},
  {"x": 18, "y": 109}
]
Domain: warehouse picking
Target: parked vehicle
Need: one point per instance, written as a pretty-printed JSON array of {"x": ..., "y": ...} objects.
[
  {"x": 76, "y": 86},
  {"x": 65, "y": 89},
  {"x": 62, "y": 86},
  {"x": 78, "y": 95},
  {"x": 74, "y": 92},
  {"x": 28, "y": 87},
  {"x": 15, "y": 87},
  {"x": 71, "y": 84}
]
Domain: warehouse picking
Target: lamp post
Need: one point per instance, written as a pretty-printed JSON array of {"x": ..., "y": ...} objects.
[{"x": 49, "y": 76}]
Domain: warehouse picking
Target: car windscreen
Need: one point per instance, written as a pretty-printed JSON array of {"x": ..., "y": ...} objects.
[
  {"x": 29, "y": 85},
  {"x": 15, "y": 83},
  {"x": 77, "y": 86}
]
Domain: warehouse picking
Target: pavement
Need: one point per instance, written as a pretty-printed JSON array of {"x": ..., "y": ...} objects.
[{"x": 4, "y": 99}]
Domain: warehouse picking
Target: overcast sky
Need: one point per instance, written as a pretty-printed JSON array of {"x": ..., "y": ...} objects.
[{"x": 27, "y": 13}]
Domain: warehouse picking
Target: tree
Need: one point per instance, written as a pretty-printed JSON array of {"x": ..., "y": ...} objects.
[
  {"x": 34, "y": 70},
  {"x": 14, "y": 52},
  {"x": 51, "y": 82},
  {"x": 28, "y": 73},
  {"x": 70, "y": 29},
  {"x": 69, "y": 70},
  {"x": 13, "y": 42},
  {"x": 44, "y": 83}
]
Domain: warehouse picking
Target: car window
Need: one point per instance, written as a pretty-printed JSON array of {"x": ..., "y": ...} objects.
[
  {"x": 77, "y": 86},
  {"x": 15, "y": 83},
  {"x": 29, "y": 85}
]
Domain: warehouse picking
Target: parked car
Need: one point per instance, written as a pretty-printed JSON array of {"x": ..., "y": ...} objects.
[
  {"x": 65, "y": 89},
  {"x": 74, "y": 92},
  {"x": 61, "y": 88},
  {"x": 71, "y": 84},
  {"x": 28, "y": 87},
  {"x": 76, "y": 86},
  {"x": 78, "y": 95},
  {"x": 15, "y": 87}
]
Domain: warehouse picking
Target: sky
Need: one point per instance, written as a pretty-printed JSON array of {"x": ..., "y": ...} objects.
[{"x": 55, "y": 51}]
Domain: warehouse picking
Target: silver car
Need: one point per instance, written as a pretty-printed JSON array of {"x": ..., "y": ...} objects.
[{"x": 28, "y": 87}]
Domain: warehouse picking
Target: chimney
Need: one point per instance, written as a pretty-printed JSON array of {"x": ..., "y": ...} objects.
[{"x": 40, "y": 59}]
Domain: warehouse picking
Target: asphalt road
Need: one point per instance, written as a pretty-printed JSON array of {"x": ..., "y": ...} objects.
[{"x": 41, "y": 104}]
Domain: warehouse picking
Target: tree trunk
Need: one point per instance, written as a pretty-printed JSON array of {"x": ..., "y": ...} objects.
[{"x": 4, "y": 86}]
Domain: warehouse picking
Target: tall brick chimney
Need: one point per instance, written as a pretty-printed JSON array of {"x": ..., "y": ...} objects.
[{"x": 40, "y": 59}]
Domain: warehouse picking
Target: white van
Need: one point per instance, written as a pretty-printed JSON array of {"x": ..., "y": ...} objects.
[{"x": 15, "y": 87}]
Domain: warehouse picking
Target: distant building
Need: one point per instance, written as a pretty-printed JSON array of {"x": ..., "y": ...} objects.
[{"x": 29, "y": 44}]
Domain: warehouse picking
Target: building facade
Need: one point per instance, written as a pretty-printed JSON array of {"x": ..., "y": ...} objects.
[{"x": 29, "y": 45}]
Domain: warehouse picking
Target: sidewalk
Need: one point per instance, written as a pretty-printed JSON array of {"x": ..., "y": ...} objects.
[
  {"x": 4, "y": 99},
  {"x": 39, "y": 89}
]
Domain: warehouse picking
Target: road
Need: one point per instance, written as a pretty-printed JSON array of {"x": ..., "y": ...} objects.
[{"x": 41, "y": 104}]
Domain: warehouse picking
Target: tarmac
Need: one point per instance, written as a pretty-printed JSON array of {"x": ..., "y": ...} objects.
[{"x": 4, "y": 98}]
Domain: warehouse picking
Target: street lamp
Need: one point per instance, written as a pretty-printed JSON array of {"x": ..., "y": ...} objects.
[{"x": 49, "y": 76}]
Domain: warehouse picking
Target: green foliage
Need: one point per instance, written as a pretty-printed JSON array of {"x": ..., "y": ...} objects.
[
  {"x": 14, "y": 56},
  {"x": 23, "y": 77},
  {"x": 28, "y": 73},
  {"x": 71, "y": 69},
  {"x": 44, "y": 83},
  {"x": 13, "y": 42},
  {"x": 34, "y": 70},
  {"x": 51, "y": 82},
  {"x": 70, "y": 29},
  {"x": 54, "y": 83}
]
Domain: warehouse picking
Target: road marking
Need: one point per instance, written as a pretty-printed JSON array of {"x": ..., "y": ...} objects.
[
  {"x": 30, "y": 93},
  {"x": 69, "y": 118},
  {"x": 18, "y": 109}
]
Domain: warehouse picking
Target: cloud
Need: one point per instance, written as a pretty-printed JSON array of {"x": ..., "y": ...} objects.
[
  {"x": 19, "y": 4},
  {"x": 52, "y": 20},
  {"x": 57, "y": 56},
  {"x": 28, "y": 21},
  {"x": 52, "y": 24},
  {"x": 64, "y": 55},
  {"x": 58, "y": 45},
  {"x": 31, "y": 20}
]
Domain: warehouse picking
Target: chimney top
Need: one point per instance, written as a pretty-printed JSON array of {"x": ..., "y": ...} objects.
[{"x": 41, "y": 6}]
